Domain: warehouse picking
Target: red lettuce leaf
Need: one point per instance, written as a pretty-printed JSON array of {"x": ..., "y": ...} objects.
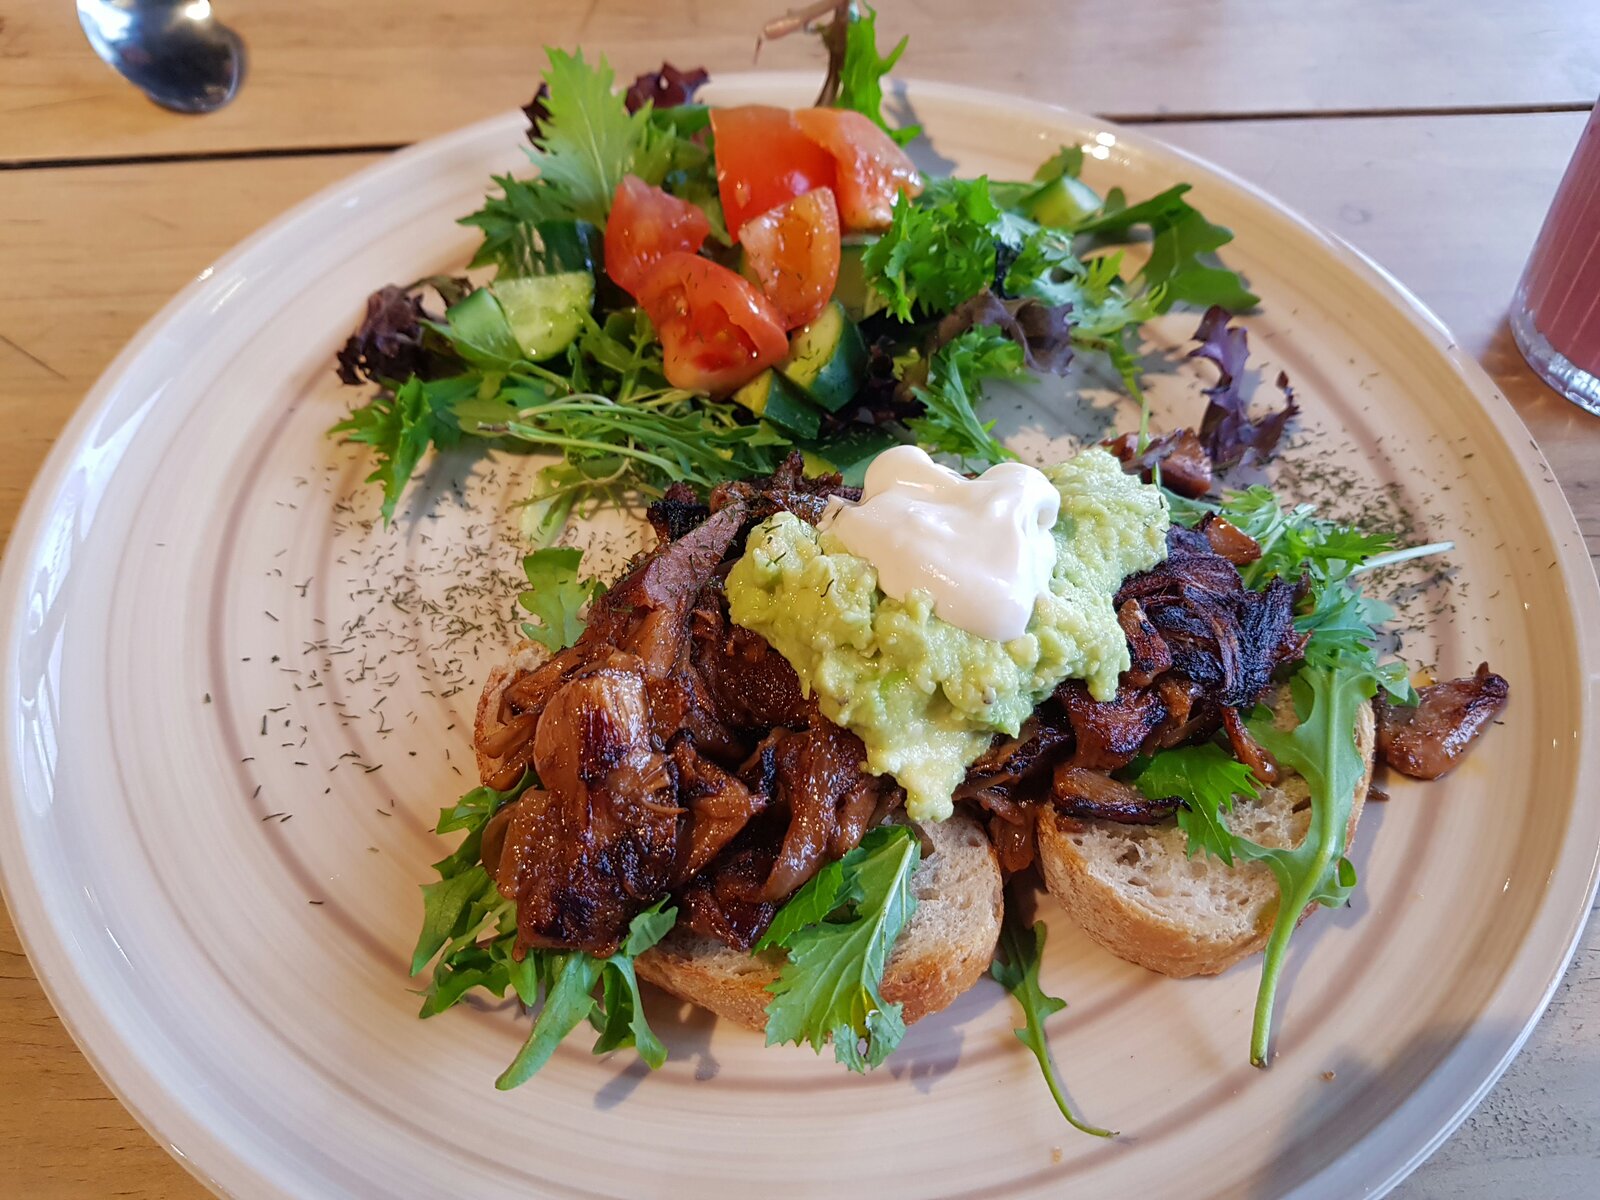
[
  {"x": 1226, "y": 429},
  {"x": 392, "y": 342},
  {"x": 666, "y": 88},
  {"x": 537, "y": 111}
]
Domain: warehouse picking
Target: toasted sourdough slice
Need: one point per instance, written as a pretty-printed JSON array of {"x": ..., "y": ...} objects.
[
  {"x": 946, "y": 945},
  {"x": 1135, "y": 890}
]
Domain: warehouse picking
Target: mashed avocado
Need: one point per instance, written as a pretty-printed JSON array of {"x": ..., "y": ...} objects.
[{"x": 924, "y": 696}]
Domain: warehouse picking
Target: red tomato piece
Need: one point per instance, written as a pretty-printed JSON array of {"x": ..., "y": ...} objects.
[
  {"x": 794, "y": 250},
  {"x": 645, "y": 224},
  {"x": 872, "y": 170},
  {"x": 762, "y": 160},
  {"x": 717, "y": 332}
]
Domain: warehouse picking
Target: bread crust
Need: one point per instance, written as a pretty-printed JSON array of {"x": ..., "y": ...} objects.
[
  {"x": 487, "y": 719},
  {"x": 525, "y": 656},
  {"x": 944, "y": 949},
  {"x": 1163, "y": 933}
]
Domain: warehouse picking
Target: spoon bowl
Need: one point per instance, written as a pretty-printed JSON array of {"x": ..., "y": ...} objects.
[{"x": 174, "y": 51}]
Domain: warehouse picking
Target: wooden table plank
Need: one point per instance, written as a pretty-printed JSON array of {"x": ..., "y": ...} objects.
[
  {"x": 327, "y": 73},
  {"x": 1423, "y": 196}
]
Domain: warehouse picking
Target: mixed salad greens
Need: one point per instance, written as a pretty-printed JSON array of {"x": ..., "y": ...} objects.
[
  {"x": 684, "y": 293},
  {"x": 672, "y": 300}
]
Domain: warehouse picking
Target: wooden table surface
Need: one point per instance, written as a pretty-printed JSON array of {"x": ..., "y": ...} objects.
[{"x": 1430, "y": 134}]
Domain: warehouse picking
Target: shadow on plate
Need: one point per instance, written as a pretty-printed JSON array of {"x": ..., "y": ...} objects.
[
  {"x": 1347, "y": 1098},
  {"x": 684, "y": 1029}
]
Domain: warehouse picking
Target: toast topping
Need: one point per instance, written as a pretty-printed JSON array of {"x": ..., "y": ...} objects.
[{"x": 924, "y": 696}]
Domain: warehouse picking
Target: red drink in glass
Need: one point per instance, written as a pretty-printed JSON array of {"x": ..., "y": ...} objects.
[{"x": 1555, "y": 314}]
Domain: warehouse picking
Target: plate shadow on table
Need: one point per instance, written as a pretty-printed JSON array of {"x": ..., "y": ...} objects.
[{"x": 1562, "y": 427}]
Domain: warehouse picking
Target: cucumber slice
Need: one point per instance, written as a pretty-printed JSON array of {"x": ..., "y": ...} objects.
[
  {"x": 860, "y": 298},
  {"x": 480, "y": 333},
  {"x": 827, "y": 359},
  {"x": 545, "y": 312},
  {"x": 1063, "y": 203},
  {"x": 774, "y": 399}
]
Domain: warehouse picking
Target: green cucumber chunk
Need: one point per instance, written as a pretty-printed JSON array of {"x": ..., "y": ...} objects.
[
  {"x": 772, "y": 398},
  {"x": 1063, "y": 203},
  {"x": 546, "y": 312},
  {"x": 477, "y": 327},
  {"x": 859, "y": 297},
  {"x": 827, "y": 359}
]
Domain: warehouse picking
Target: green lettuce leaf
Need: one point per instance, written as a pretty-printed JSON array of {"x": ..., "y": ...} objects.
[
  {"x": 469, "y": 933},
  {"x": 590, "y": 141},
  {"x": 446, "y": 908},
  {"x": 556, "y": 596},
  {"x": 510, "y": 221},
  {"x": 401, "y": 425},
  {"x": 625, "y": 1024},
  {"x": 938, "y": 251},
  {"x": 569, "y": 980},
  {"x": 861, "y": 73},
  {"x": 1339, "y": 674},
  {"x": 954, "y": 385},
  {"x": 1206, "y": 778},
  {"x": 567, "y": 1004},
  {"x": 464, "y": 903},
  {"x": 1016, "y": 969},
  {"x": 585, "y": 144},
  {"x": 1183, "y": 248},
  {"x": 829, "y": 988},
  {"x": 1322, "y": 748},
  {"x": 829, "y": 890},
  {"x": 475, "y": 808}
]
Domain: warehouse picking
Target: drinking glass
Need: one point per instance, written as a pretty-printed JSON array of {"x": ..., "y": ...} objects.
[{"x": 1555, "y": 313}]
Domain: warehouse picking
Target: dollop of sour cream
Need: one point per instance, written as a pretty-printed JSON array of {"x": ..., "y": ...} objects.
[{"x": 982, "y": 548}]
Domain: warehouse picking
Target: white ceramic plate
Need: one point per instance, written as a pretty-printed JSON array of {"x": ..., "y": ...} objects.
[{"x": 201, "y": 630}]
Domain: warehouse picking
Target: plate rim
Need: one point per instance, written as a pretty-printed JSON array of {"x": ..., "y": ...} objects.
[{"x": 217, "y": 1163}]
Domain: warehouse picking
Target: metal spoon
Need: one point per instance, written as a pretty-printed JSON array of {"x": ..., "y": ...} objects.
[{"x": 173, "y": 51}]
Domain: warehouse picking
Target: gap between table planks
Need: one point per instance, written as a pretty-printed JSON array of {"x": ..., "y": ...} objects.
[
  {"x": 329, "y": 73},
  {"x": 106, "y": 247}
]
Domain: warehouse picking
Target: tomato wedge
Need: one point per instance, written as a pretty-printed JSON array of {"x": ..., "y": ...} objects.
[
  {"x": 794, "y": 250},
  {"x": 645, "y": 224},
  {"x": 762, "y": 160},
  {"x": 871, "y": 169},
  {"x": 717, "y": 332}
]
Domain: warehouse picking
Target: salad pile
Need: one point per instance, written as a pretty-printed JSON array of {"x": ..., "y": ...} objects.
[
  {"x": 687, "y": 293},
  {"x": 679, "y": 293}
]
